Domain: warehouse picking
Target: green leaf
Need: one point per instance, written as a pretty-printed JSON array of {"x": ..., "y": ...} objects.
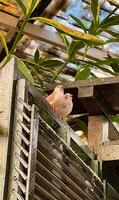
[
  {"x": 109, "y": 22},
  {"x": 64, "y": 39},
  {"x": 2, "y": 38},
  {"x": 114, "y": 34},
  {"x": 27, "y": 16},
  {"x": 114, "y": 65},
  {"x": 79, "y": 22},
  {"x": 36, "y": 56},
  {"x": 114, "y": 118},
  {"x": 95, "y": 8},
  {"x": 22, "y": 6},
  {"x": 83, "y": 74},
  {"x": 83, "y": 126},
  {"x": 25, "y": 71},
  {"x": 88, "y": 38},
  {"x": 108, "y": 61},
  {"x": 74, "y": 47},
  {"x": 31, "y": 4},
  {"x": 104, "y": 69},
  {"x": 113, "y": 3},
  {"x": 112, "y": 40},
  {"x": 51, "y": 63},
  {"x": 92, "y": 27}
]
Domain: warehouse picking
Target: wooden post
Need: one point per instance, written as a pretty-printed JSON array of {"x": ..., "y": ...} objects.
[
  {"x": 6, "y": 91},
  {"x": 97, "y": 132}
]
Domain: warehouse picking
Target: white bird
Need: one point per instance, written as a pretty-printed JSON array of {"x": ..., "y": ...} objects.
[
  {"x": 65, "y": 107},
  {"x": 56, "y": 97}
]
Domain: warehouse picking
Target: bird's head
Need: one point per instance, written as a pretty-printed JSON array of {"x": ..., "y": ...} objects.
[
  {"x": 68, "y": 96},
  {"x": 59, "y": 88}
]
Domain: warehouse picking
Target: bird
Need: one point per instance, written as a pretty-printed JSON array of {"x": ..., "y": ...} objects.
[
  {"x": 65, "y": 107},
  {"x": 56, "y": 97}
]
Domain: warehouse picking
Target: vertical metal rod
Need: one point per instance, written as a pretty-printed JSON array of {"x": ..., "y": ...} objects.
[
  {"x": 32, "y": 153},
  {"x": 105, "y": 189}
]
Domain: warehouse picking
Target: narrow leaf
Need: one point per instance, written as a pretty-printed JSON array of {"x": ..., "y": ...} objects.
[
  {"x": 2, "y": 38},
  {"x": 71, "y": 32},
  {"x": 95, "y": 8},
  {"x": 74, "y": 47},
  {"x": 83, "y": 74},
  {"x": 22, "y": 6},
  {"x": 64, "y": 39},
  {"x": 51, "y": 63},
  {"x": 112, "y": 21},
  {"x": 79, "y": 22},
  {"x": 114, "y": 65},
  {"x": 113, "y": 3},
  {"x": 36, "y": 56},
  {"x": 32, "y": 4},
  {"x": 114, "y": 34},
  {"x": 25, "y": 71},
  {"x": 104, "y": 69}
]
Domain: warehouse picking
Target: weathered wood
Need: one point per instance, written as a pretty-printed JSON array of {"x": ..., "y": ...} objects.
[
  {"x": 97, "y": 132},
  {"x": 85, "y": 91},
  {"x": 108, "y": 152},
  {"x": 47, "y": 36},
  {"x": 86, "y": 83},
  {"x": 16, "y": 139},
  {"x": 6, "y": 91}
]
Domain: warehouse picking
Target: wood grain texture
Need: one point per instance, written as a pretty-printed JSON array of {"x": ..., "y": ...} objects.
[{"x": 6, "y": 87}]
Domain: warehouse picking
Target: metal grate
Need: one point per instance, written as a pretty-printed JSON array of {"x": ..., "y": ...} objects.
[
  {"x": 43, "y": 166},
  {"x": 25, "y": 124},
  {"x": 60, "y": 174}
]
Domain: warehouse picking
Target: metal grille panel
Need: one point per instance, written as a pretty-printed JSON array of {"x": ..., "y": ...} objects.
[{"x": 60, "y": 173}]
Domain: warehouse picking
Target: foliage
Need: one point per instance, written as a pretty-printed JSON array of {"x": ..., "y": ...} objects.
[{"x": 74, "y": 40}]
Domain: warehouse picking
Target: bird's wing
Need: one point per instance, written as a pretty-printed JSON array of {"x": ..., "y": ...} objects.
[{"x": 50, "y": 97}]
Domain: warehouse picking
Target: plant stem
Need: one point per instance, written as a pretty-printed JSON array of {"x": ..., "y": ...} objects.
[
  {"x": 108, "y": 16},
  {"x": 22, "y": 27},
  {"x": 60, "y": 70},
  {"x": 86, "y": 49}
]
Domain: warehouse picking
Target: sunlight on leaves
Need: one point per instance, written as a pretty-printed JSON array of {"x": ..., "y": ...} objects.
[{"x": 25, "y": 71}]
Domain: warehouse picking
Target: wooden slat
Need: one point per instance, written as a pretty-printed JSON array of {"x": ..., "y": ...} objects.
[{"x": 36, "y": 32}]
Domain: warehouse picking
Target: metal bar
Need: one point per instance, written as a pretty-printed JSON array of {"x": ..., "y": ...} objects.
[
  {"x": 81, "y": 182},
  {"x": 22, "y": 149},
  {"x": 52, "y": 186},
  {"x": 24, "y": 115},
  {"x": 37, "y": 197},
  {"x": 61, "y": 183},
  {"x": 90, "y": 154},
  {"x": 105, "y": 189},
  {"x": 43, "y": 191},
  {"x": 32, "y": 152},
  {"x": 70, "y": 150},
  {"x": 23, "y": 162},
  {"x": 22, "y": 187},
  {"x": 23, "y": 137},
  {"x": 28, "y": 107},
  {"x": 23, "y": 126},
  {"x": 76, "y": 174}
]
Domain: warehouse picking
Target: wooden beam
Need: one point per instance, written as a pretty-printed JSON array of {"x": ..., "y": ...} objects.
[
  {"x": 108, "y": 152},
  {"x": 47, "y": 36}
]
